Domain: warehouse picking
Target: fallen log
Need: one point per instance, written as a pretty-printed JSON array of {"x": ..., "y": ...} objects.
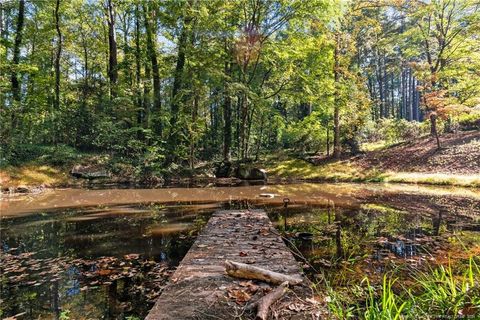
[
  {"x": 246, "y": 271},
  {"x": 263, "y": 304}
]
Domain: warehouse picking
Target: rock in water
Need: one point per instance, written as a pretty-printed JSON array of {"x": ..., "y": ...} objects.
[{"x": 89, "y": 172}]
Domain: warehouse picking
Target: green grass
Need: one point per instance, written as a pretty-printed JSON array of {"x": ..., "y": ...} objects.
[
  {"x": 348, "y": 171},
  {"x": 439, "y": 292}
]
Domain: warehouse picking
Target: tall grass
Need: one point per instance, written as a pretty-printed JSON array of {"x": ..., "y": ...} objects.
[
  {"x": 446, "y": 294},
  {"x": 387, "y": 306},
  {"x": 437, "y": 293}
]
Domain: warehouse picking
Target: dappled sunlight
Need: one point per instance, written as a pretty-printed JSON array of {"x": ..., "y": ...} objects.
[
  {"x": 32, "y": 175},
  {"x": 472, "y": 180}
]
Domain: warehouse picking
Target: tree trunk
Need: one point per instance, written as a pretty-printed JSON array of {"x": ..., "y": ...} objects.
[
  {"x": 404, "y": 100},
  {"x": 57, "y": 57},
  {"x": 227, "y": 116},
  {"x": 16, "y": 51},
  {"x": 410, "y": 95},
  {"x": 193, "y": 131},
  {"x": 336, "y": 107},
  {"x": 146, "y": 96},
  {"x": 434, "y": 131},
  {"x": 177, "y": 85},
  {"x": 112, "y": 50},
  {"x": 140, "y": 109},
  {"x": 152, "y": 53},
  {"x": 328, "y": 141},
  {"x": 414, "y": 100},
  {"x": 260, "y": 135}
]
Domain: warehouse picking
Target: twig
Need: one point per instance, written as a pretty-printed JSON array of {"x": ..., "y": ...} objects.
[{"x": 263, "y": 304}]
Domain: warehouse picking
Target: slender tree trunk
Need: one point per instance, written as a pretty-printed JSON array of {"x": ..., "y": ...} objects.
[
  {"x": 243, "y": 124},
  {"x": 16, "y": 51},
  {"x": 193, "y": 132},
  {"x": 112, "y": 50},
  {"x": 434, "y": 131},
  {"x": 140, "y": 106},
  {"x": 336, "y": 107},
  {"x": 152, "y": 53},
  {"x": 238, "y": 124},
  {"x": 249, "y": 123},
  {"x": 260, "y": 135},
  {"x": 177, "y": 85},
  {"x": 146, "y": 96},
  {"x": 414, "y": 100},
  {"x": 328, "y": 141},
  {"x": 57, "y": 57},
  {"x": 410, "y": 95},
  {"x": 402, "y": 105},
  {"x": 227, "y": 116}
]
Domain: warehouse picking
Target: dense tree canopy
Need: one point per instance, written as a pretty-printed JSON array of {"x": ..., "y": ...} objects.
[{"x": 174, "y": 82}]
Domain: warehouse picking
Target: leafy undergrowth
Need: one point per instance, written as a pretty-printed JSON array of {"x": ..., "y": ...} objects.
[
  {"x": 38, "y": 165},
  {"x": 457, "y": 163},
  {"x": 438, "y": 293}
]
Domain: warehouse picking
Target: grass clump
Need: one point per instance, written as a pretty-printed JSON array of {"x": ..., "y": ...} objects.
[{"x": 437, "y": 293}]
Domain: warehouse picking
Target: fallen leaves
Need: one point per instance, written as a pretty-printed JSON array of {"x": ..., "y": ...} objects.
[
  {"x": 297, "y": 307},
  {"x": 142, "y": 279},
  {"x": 242, "y": 292},
  {"x": 240, "y": 296}
]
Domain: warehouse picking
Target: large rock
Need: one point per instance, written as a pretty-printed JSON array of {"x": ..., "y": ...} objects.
[
  {"x": 246, "y": 172},
  {"x": 241, "y": 171},
  {"x": 89, "y": 172},
  {"x": 224, "y": 170}
]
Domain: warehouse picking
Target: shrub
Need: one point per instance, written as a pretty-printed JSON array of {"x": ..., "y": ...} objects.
[
  {"x": 54, "y": 155},
  {"x": 392, "y": 130},
  {"x": 470, "y": 121}
]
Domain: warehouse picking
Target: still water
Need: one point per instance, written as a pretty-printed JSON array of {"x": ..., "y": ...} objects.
[{"x": 107, "y": 254}]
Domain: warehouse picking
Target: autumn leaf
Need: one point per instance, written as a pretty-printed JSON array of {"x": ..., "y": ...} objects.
[{"x": 240, "y": 296}]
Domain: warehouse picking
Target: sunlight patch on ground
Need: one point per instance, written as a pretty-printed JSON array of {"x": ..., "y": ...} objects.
[
  {"x": 32, "y": 175},
  {"x": 346, "y": 171},
  {"x": 434, "y": 178}
]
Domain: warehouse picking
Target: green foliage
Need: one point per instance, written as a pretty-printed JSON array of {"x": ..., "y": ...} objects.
[
  {"x": 387, "y": 306},
  {"x": 435, "y": 292},
  {"x": 308, "y": 134},
  {"x": 65, "y": 315},
  {"x": 447, "y": 293},
  {"x": 469, "y": 121},
  {"x": 43, "y": 154},
  {"x": 392, "y": 131},
  {"x": 280, "y": 68}
]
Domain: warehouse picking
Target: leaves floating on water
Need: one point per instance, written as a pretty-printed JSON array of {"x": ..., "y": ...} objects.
[{"x": 141, "y": 278}]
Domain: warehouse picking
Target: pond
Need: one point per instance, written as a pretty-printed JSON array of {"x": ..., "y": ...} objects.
[{"x": 107, "y": 254}]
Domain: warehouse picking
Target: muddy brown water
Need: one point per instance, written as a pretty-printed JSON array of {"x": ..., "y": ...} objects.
[{"x": 106, "y": 254}]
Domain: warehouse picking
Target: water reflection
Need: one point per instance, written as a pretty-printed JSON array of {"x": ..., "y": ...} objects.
[
  {"x": 109, "y": 260},
  {"x": 95, "y": 262},
  {"x": 374, "y": 236}
]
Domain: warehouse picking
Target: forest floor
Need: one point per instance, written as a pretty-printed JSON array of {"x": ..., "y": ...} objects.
[
  {"x": 457, "y": 162},
  {"x": 419, "y": 161}
]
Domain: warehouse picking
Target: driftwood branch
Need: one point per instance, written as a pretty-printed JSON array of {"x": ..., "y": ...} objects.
[
  {"x": 264, "y": 303},
  {"x": 245, "y": 271}
]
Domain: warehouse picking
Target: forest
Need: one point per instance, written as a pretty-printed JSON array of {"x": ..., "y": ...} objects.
[
  {"x": 266, "y": 159},
  {"x": 164, "y": 83}
]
